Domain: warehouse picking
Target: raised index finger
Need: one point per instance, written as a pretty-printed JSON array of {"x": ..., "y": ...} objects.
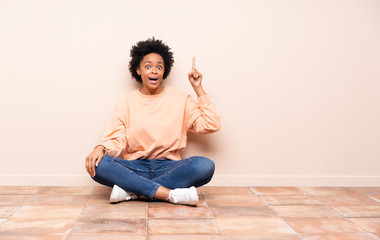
[{"x": 193, "y": 63}]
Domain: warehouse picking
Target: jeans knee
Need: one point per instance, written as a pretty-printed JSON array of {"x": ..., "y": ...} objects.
[
  {"x": 204, "y": 166},
  {"x": 103, "y": 164},
  {"x": 106, "y": 158},
  {"x": 209, "y": 165},
  {"x": 102, "y": 171}
]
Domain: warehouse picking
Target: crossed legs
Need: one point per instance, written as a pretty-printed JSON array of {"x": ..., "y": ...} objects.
[{"x": 154, "y": 178}]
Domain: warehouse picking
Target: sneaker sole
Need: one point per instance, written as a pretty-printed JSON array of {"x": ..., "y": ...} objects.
[{"x": 114, "y": 198}]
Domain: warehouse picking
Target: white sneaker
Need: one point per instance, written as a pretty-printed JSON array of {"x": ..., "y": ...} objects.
[
  {"x": 118, "y": 195},
  {"x": 188, "y": 196}
]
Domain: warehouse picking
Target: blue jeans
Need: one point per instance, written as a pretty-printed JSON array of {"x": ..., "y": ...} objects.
[{"x": 145, "y": 176}]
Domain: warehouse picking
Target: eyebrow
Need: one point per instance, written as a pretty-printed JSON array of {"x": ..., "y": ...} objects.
[{"x": 151, "y": 62}]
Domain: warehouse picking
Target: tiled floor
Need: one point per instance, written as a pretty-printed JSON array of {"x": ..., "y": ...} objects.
[{"x": 265, "y": 213}]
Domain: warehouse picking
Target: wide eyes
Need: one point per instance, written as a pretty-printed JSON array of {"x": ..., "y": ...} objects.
[{"x": 149, "y": 67}]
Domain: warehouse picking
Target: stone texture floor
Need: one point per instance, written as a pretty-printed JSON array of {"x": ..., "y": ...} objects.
[{"x": 241, "y": 213}]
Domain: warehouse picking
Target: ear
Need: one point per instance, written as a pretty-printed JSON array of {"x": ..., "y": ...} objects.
[{"x": 138, "y": 71}]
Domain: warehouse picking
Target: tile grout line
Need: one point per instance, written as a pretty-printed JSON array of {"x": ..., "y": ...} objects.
[
  {"x": 39, "y": 190},
  {"x": 341, "y": 214},
  {"x": 332, "y": 208},
  {"x": 315, "y": 197},
  {"x": 311, "y": 195},
  {"x": 351, "y": 221},
  {"x": 213, "y": 217},
  {"x": 76, "y": 219},
  {"x": 373, "y": 198},
  {"x": 10, "y": 216},
  {"x": 20, "y": 206},
  {"x": 276, "y": 214},
  {"x": 253, "y": 191}
]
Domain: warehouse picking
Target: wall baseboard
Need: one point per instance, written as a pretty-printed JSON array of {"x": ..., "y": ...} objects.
[{"x": 218, "y": 180}]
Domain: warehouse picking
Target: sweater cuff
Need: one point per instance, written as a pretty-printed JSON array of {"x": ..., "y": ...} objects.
[
  {"x": 204, "y": 100},
  {"x": 107, "y": 149}
]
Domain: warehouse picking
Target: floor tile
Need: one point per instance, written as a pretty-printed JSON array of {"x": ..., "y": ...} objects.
[
  {"x": 348, "y": 236},
  {"x": 32, "y": 227},
  {"x": 328, "y": 190},
  {"x": 346, "y": 200},
  {"x": 14, "y": 199},
  {"x": 265, "y": 213},
  {"x": 370, "y": 224},
  {"x": 254, "y": 225},
  {"x": 98, "y": 199},
  {"x": 185, "y": 237},
  {"x": 313, "y": 211},
  {"x": 24, "y": 190},
  {"x": 37, "y": 237},
  {"x": 130, "y": 226},
  {"x": 276, "y": 190},
  {"x": 289, "y": 200},
  {"x": 102, "y": 190},
  {"x": 201, "y": 202},
  {"x": 375, "y": 197},
  {"x": 233, "y": 200},
  {"x": 226, "y": 190},
  {"x": 365, "y": 190},
  {"x": 261, "y": 237},
  {"x": 44, "y": 200},
  {"x": 179, "y": 211},
  {"x": 7, "y": 211},
  {"x": 125, "y": 210},
  {"x": 48, "y": 212},
  {"x": 116, "y": 236},
  {"x": 359, "y": 211},
  {"x": 323, "y": 225},
  {"x": 59, "y": 190},
  {"x": 182, "y": 226},
  {"x": 107, "y": 236},
  {"x": 105, "y": 199},
  {"x": 240, "y": 211}
]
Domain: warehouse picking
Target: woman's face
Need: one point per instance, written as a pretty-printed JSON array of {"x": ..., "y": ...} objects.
[{"x": 151, "y": 70}]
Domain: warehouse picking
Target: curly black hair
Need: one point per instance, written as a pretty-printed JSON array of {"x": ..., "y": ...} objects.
[{"x": 151, "y": 45}]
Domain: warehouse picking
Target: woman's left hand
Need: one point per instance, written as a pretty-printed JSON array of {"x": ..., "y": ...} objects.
[{"x": 195, "y": 77}]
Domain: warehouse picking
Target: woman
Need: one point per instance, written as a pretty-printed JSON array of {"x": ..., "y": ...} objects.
[{"x": 148, "y": 129}]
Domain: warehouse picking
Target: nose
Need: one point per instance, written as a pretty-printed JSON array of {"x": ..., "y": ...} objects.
[{"x": 154, "y": 70}]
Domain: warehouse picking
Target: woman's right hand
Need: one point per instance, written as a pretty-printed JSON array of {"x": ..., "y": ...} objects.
[{"x": 94, "y": 158}]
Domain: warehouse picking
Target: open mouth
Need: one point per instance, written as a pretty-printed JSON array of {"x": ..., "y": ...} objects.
[{"x": 154, "y": 79}]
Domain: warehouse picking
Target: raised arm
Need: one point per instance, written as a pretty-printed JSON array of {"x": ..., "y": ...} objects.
[
  {"x": 202, "y": 116},
  {"x": 195, "y": 78}
]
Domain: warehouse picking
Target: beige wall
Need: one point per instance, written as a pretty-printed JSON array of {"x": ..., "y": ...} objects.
[{"x": 297, "y": 83}]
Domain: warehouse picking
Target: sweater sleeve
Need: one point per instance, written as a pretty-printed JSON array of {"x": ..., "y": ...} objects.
[
  {"x": 114, "y": 135},
  {"x": 202, "y": 116}
]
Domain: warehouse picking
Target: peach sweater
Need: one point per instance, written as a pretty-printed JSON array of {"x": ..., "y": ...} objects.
[{"x": 156, "y": 126}]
